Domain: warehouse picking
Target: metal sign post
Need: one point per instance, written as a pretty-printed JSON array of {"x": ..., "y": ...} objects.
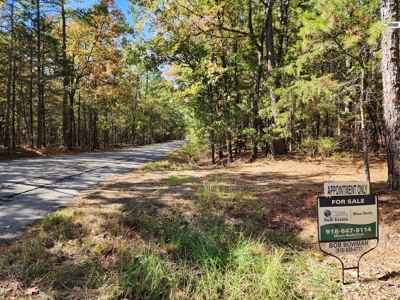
[{"x": 348, "y": 225}]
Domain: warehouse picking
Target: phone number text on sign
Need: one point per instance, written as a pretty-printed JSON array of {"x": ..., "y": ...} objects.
[{"x": 349, "y": 230}]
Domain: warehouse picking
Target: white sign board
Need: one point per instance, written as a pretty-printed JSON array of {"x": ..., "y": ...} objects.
[
  {"x": 349, "y": 247},
  {"x": 346, "y": 188}
]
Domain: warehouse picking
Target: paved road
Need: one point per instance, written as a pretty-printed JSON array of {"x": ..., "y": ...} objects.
[{"x": 32, "y": 188}]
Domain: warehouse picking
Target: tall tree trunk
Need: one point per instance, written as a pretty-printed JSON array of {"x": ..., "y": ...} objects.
[
  {"x": 79, "y": 119},
  {"x": 212, "y": 138},
  {"x": 212, "y": 131},
  {"x": 327, "y": 124},
  {"x": 257, "y": 87},
  {"x": 283, "y": 15},
  {"x": 391, "y": 91},
  {"x": 362, "y": 117},
  {"x": 317, "y": 131},
  {"x": 229, "y": 146},
  {"x": 66, "y": 81},
  {"x": 134, "y": 107},
  {"x": 13, "y": 106},
  {"x": 9, "y": 81},
  {"x": 372, "y": 109},
  {"x": 277, "y": 144},
  {"x": 255, "y": 102},
  {"x": 20, "y": 136},
  {"x": 86, "y": 122},
  {"x": 1, "y": 130},
  {"x": 32, "y": 140},
  {"x": 90, "y": 128},
  {"x": 95, "y": 137},
  {"x": 23, "y": 104},
  {"x": 39, "y": 141},
  {"x": 71, "y": 121},
  {"x": 43, "y": 109},
  {"x": 224, "y": 81},
  {"x": 144, "y": 126},
  {"x": 105, "y": 133},
  {"x": 269, "y": 41}
]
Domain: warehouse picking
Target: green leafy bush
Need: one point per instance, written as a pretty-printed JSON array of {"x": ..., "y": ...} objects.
[
  {"x": 309, "y": 146},
  {"x": 326, "y": 146}
]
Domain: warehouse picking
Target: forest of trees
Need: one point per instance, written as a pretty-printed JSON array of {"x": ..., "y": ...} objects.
[
  {"x": 278, "y": 74},
  {"x": 71, "y": 77}
]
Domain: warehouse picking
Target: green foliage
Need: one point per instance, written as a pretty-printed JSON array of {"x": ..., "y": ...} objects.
[
  {"x": 157, "y": 165},
  {"x": 247, "y": 269},
  {"x": 148, "y": 276},
  {"x": 318, "y": 283},
  {"x": 178, "y": 179},
  {"x": 212, "y": 83},
  {"x": 323, "y": 146},
  {"x": 193, "y": 150},
  {"x": 249, "y": 133},
  {"x": 62, "y": 225},
  {"x": 309, "y": 146},
  {"x": 209, "y": 193},
  {"x": 340, "y": 155},
  {"x": 326, "y": 146}
]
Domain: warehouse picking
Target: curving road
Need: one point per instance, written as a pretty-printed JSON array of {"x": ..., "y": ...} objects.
[{"x": 32, "y": 188}]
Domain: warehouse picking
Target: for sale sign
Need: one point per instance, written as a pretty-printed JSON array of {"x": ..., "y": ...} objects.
[{"x": 347, "y": 218}]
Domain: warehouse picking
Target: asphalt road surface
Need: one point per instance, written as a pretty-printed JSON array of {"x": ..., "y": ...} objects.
[{"x": 32, "y": 188}]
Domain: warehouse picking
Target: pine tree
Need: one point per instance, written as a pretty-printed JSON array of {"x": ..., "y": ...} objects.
[{"x": 391, "y": 91}]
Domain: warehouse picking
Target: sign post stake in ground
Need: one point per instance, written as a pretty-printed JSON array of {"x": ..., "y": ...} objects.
[{"x": 347, "y": 221}]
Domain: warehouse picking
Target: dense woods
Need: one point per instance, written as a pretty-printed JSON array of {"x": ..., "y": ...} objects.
[
  {"x": 275, "y": 75},
  {"x": 69, "y": 78}
]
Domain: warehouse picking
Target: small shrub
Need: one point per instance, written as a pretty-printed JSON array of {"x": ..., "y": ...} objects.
[
  {"x": 270, "y": 157},
  {"x": 326, "y": 146},
  {"x": 340, "y": 155},
  {"x": 309, "y": 146}
]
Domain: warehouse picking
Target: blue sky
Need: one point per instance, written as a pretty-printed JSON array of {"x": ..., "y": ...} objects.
[{"x": 122, "y": 4}]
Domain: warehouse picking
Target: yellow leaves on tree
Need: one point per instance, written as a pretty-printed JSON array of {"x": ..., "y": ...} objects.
[{"x": 93, "y": 46}]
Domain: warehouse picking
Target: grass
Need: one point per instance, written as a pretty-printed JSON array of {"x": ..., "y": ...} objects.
[
  {"x": 209, "y": 193},
  {"x": 186, "y": 157},
  {"x": 169, "y": 257},
  {"x": 216, "y": 249},
  {"x": 156, "y": 166},
  {"x": 302, "y": 191},
  {"x": 174, "y": 180}
]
